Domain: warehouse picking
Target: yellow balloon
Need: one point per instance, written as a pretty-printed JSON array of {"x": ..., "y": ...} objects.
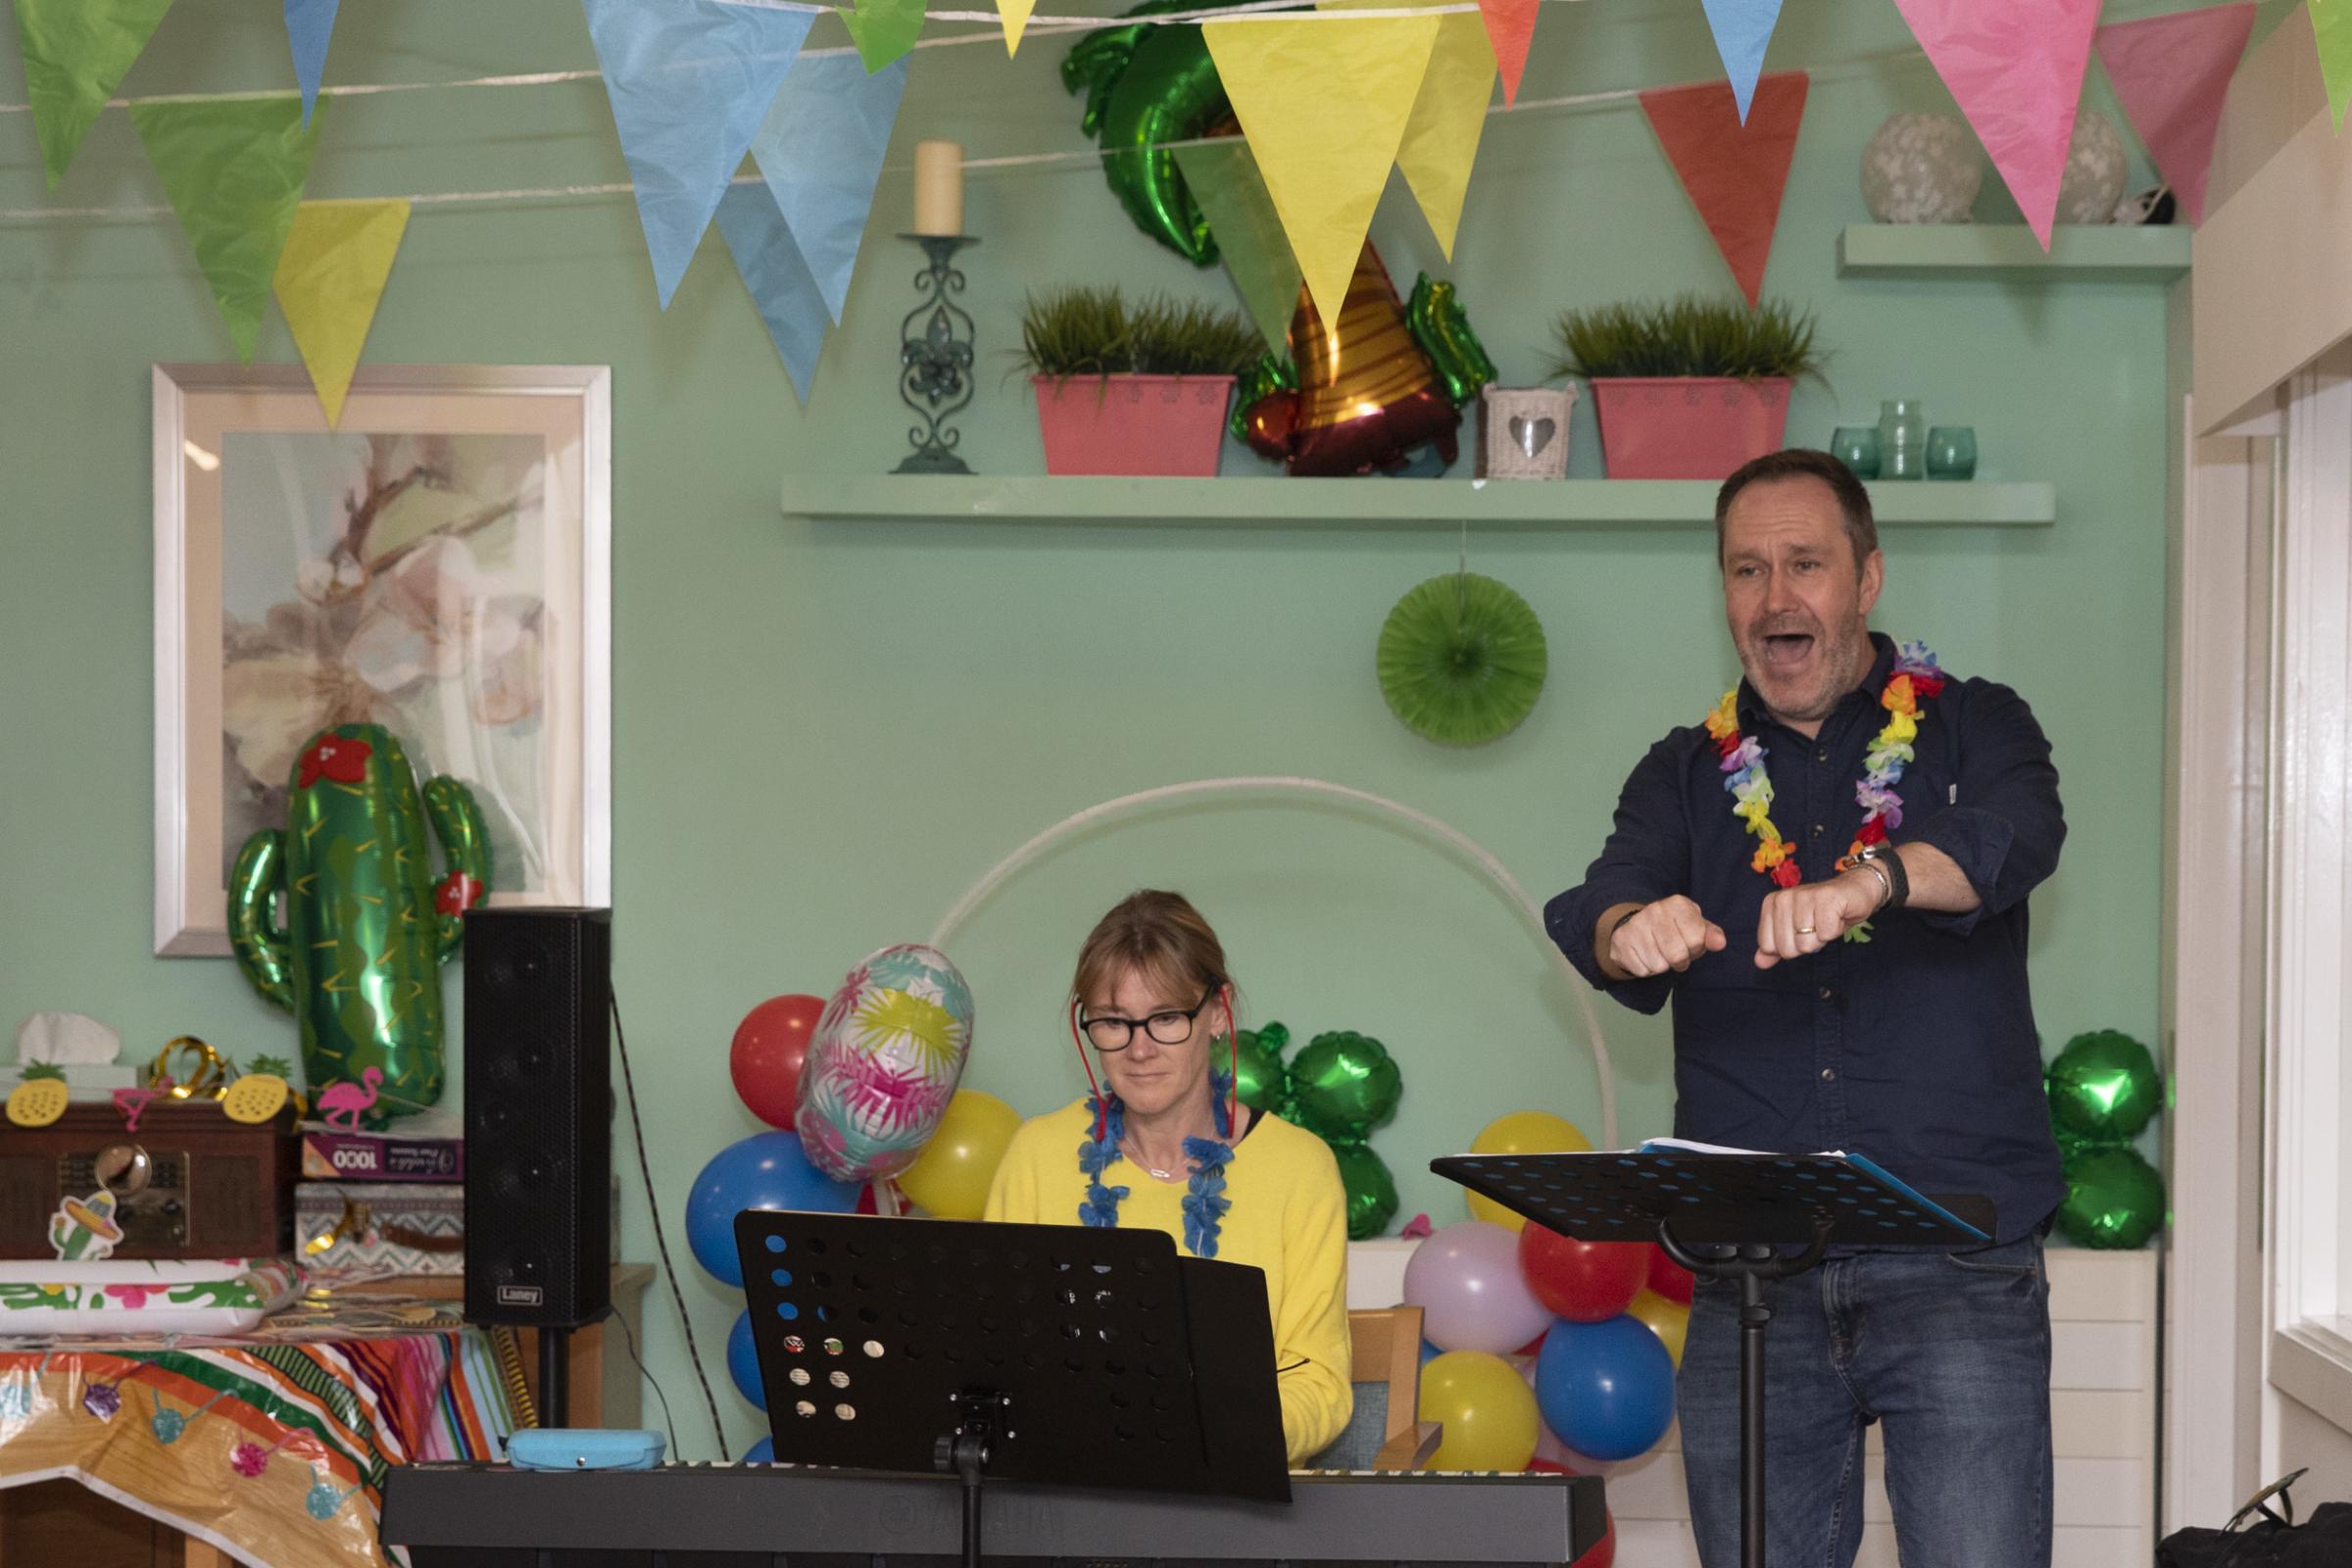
[
  {"x": 951, "y": 1176},
  {"x": 1522, "y": 1132},
  {"x": 1487, "y": 1408},
  {"x": 1669, "y": 1320}
]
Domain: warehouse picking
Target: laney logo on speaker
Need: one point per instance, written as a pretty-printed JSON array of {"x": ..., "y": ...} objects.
[{"x": 520, "y": 1296}]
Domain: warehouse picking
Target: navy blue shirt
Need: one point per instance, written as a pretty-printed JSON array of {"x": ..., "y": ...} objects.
[{"x": 1917, "y": 1048}]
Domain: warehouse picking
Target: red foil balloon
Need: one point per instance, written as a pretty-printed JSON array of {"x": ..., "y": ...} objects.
[
  {"x": 770, "y": 1045},
  {"x": 1669, "y": 1278},
  {"x": 1584, "y": 1282}
]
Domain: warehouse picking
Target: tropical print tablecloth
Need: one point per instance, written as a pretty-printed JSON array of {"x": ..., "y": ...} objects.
[{"x": 273, "y": 1447}]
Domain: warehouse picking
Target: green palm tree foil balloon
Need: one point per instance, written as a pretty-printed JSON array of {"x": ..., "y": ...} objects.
[{"x": 367, "y": 926}]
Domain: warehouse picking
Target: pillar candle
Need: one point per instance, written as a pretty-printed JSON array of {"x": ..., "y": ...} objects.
[{"x": 938, "y": 187}]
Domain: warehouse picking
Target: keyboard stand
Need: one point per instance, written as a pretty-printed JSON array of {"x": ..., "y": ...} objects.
[{"x": 1722, "y": 1216}]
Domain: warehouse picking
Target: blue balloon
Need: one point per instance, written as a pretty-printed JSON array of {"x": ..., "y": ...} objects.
[
  {"x": 765, "y": 1170},
  {"x": 743, "y": 1360},
  {"x": 1605, "y": 1389},
  {"x": 761, "y": 1452},
  {"x": 1428, "y": 1351}
]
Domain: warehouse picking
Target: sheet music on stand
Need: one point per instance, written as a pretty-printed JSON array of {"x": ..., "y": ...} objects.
[{"x": 1711, "y": 1198}]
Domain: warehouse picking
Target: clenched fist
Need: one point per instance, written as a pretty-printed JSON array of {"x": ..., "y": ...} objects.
[
  {"x": 1810, "y": 916},
  {"x": 1657, "y": 937}
]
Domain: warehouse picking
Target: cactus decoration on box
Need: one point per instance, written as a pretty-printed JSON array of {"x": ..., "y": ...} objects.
[{"x": 368, "y": 925}]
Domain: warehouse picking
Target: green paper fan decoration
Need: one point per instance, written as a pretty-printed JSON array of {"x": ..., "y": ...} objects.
[{"x": 1461, "y": 659}]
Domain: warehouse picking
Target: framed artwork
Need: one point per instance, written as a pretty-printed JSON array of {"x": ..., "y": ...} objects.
[{"x": 440, "y": 566}]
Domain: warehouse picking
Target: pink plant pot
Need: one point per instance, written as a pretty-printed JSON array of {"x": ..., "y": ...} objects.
[
  {"x": 1170, "y": 425},
  {"x": 1694, "y": 428}
]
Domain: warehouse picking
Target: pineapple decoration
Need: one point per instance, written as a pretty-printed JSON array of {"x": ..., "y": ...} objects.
[
  {"x": 260, "y": 1091},
  {"x": 40, "y": 1099}
]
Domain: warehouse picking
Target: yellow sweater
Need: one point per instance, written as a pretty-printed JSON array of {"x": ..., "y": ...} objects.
[{"x": 1289, "y": 1217}]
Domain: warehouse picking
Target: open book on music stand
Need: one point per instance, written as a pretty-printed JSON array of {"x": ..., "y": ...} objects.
[
  {"x": 1724, "y": 1214},
  {"x": 1059, "y": 1354}
]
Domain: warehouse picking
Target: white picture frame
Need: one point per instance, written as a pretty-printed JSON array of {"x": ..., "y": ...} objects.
[{"x": 446, "y": 565}]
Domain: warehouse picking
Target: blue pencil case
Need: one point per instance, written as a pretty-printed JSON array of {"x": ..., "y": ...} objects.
[{"x": 583, "y": 1449}]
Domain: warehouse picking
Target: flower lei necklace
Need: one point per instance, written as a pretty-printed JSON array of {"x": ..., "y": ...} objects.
[
  {"x": 1916, "y": 678},
  {"x": 1205, "y": 1202}
]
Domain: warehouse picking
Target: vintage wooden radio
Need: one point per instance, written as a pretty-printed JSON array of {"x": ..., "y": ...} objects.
[{"x": 189, "y": 1183}]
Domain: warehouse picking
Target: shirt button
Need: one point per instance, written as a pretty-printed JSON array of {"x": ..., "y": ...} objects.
[
  {"x": 1826, "y": 993},
  {"x": 1820, "y": 756},
  {"x": 1828, "y": 1073},
  {"x": 1819, "y": 830}
]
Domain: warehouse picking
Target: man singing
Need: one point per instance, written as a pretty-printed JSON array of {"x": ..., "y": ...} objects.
[{"x": 1828, "y": 876}]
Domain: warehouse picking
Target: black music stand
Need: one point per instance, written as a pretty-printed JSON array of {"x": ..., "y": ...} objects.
[
  {"x": 1722, "y": 1216},
  {"x": 1059, "y": 1354}
]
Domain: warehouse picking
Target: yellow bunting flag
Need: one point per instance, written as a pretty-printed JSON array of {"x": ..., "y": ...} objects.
[
  {"x": 329, "y": 278},
  {"x": 1441, "y": 140},
  {"x": 1014, "y": 15},
  {"x": 1324, "y": 105}
]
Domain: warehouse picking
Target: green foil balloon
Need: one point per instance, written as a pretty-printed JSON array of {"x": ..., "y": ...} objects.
[
  {"x": 1343, "y": 1085},
  {"x": 1438, "y": 323},
  {"x": 2114, "y": 1198},
  {"x": 2104, "y": 1086},
  {"x": 368, "y": 926},
  {"x": 1371, "y": 1190},
  {"x": 1258, "y": 1080}
]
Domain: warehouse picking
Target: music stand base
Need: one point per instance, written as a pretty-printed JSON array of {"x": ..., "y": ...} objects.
[
  {"x": 980, "y": 1414},
  {"x": 1756, "y": 1267}
]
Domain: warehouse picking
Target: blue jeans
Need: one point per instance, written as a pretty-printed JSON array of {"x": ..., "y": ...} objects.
[{"x": 1951, "y": 1352}]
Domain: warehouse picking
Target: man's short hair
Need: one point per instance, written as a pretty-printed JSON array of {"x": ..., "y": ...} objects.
[{"x": 1803, "y": 463}]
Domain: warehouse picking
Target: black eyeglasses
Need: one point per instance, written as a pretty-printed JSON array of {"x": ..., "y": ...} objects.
[{"x": 1173, "y": 1027}]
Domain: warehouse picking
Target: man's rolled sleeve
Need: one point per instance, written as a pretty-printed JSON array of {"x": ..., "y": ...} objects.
[
  {"x": 2006, "y": 827},
  {"x": 1647, "y": 858}
]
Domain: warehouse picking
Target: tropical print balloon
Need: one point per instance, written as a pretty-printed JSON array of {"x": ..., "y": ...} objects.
[{"x": 884, "y": 1063}]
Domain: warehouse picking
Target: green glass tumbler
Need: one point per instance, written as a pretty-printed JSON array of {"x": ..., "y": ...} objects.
[
  {"x": 1952, "y": 451},
  {"x": 1857, "y": 447}
]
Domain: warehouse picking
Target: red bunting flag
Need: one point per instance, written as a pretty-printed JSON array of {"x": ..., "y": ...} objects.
[
  {"x": 1734, "y": 174},
  {"x": 2171, "y": 75},
  {"x": 2015, "y": 66},
  {"x": 1511, "y": 27}
]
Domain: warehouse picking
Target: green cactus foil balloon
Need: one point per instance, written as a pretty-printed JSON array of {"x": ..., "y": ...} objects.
[{"x": 367, "y": 926}]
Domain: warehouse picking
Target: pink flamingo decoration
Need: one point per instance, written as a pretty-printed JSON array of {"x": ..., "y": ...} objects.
[
  {"x": 350, "y": 1100},
  {"x": 131, "y": 1103}
]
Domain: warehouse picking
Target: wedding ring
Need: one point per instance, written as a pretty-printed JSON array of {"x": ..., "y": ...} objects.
[{"x": 1804, "y": 930}]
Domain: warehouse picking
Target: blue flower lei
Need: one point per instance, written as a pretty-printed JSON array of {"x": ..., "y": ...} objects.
[{"x": 1205, "y": 1202}]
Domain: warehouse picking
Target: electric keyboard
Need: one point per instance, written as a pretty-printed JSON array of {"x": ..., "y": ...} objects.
[{"x": 774, "y": 1515}]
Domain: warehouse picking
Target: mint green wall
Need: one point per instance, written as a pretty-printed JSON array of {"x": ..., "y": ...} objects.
[{"x": 825, "y": 732}]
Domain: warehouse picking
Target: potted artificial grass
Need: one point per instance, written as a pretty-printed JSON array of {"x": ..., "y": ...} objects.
[
  {"x": 1132, "y": 389},
  {"x": 1688, "y": 388}
]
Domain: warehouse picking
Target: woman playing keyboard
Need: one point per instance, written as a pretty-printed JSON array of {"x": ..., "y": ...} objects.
[{"x": 1163, "y": 1142}]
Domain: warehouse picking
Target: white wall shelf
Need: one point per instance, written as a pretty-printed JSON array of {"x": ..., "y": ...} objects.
[
  {"x": 2008, "y": 253},
  {"x": 1368, "y": 503}
]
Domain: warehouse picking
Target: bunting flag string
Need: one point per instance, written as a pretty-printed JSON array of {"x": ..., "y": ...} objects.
[
  {"x": 234, "y": 173},
  {"x": 2331, "y": 31},
  {"x": 330, "y": 277},
  {"x": 75, "y": 53},
  {"x": 2171, "y": 75},
  {"x": 1449, "y": 117},
  {"x": 689, "y": 83},
  {"x": 885, "y": 30},
  {"x": 1511, "y": 29},
  {"x": 1733, "y": 173},
  {"x": 1014, "y": 13},
  {"x": 310, "y": 25},
  {"x": 1324, "y": 105},
  {"x": 1743, "y": 32},
  {"x": 2015, "y": 68}
]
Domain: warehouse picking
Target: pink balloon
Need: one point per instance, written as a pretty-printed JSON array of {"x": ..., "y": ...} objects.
[{"x": 1465, "y": 1279}]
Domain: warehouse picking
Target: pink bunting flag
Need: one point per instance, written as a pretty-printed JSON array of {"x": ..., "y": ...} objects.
[
  {"x": 1511, "y": 29},
  {"x": 1734, "y": 174},
  {"x": 2171, "y": 75},
  {"x": 2015, "y": 66}
]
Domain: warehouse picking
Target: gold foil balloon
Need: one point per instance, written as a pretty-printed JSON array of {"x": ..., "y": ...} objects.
[
  {"x": 2104, "y": 1086},
  {"x": 2114, "y": 1200}
]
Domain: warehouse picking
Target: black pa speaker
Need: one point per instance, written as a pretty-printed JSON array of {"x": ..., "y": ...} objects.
[{"x": 538, "y": 1115}]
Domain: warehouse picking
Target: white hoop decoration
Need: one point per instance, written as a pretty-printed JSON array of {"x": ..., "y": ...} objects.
[{"x": 1452, "y": 837}]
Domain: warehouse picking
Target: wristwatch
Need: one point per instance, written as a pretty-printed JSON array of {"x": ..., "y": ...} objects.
[{"x": 1899, "y": 881}]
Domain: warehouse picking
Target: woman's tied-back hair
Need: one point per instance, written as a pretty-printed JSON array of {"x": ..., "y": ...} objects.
[{"x": 1159, "y": 935}]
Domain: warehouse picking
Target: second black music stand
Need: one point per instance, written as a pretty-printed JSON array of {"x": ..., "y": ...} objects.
[
  {"x": 1061, "y": 1353},
  {"x": 1722, "y": 1216}
]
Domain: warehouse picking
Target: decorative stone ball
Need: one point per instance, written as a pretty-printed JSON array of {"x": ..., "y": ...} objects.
[
  {"x": 1922, "y": 169},
  {"x": 2097, "y": 167}
]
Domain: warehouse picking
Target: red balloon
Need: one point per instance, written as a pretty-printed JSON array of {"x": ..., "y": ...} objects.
[
  {"x": 770, "y": 1045},
  {"x": 1669, "y": 1278},
  {"x": 1605, "y": 1550},
  {"x": 1584, "y": 1282}
]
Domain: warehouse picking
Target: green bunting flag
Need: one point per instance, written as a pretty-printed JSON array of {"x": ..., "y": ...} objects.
[
  {"x": 2331, "y": 27},
  {"x": 234, "y": 169},
  {"x": 1224, "y": 180},
  {"x": 884, "y": 31},
  {"x": 76, "y": 52}
]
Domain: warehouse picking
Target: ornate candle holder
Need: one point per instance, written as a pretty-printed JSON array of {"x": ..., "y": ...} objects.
[{"x": 935, "y": 358}]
